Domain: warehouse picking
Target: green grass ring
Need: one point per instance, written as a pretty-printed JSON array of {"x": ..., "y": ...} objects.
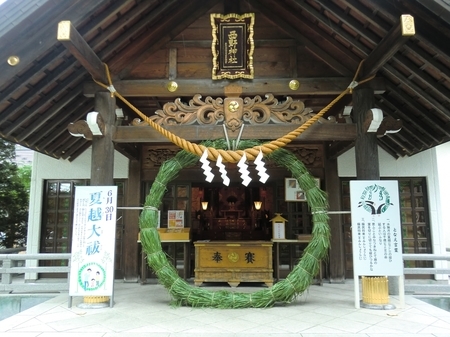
[{"x": 285, "y": 291}]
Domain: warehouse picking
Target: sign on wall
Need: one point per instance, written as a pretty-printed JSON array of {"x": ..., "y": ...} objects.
[
  {"x": 93, "y": 241},
  {"x": 175, "y": 219},
  {"x": 376, "y": 228},
  {"x": 292, "y": 189},
  {"x": 232, "y": 45}
]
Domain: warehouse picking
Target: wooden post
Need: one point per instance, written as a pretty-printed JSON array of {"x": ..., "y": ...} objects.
[
  {"x": 366, "y": 148},
  {"x": 131, "y": 223},
  {"x": 102, "y": 162},
  {"x": 336, "y": 256}
]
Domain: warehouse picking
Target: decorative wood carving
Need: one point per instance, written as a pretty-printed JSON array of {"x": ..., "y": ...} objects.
[
  {"x": 311, "y": 156},
  {"x": 153, "y": 158},
  {"x": 93, "y": 126},
  {"x": 233, "y": 111},
  {"x": 80, "y": 129}
]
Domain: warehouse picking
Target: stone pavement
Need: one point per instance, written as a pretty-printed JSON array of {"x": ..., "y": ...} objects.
[{"x": 144, "y": 310}]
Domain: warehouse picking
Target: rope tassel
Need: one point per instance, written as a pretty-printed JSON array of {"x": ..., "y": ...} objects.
[
  {"x": 243, "y": 169},
  {"x": 261, "y": 168},
  {"x": 206, "y": 168}
]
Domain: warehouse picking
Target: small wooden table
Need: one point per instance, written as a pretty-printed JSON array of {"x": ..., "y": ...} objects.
[{"x": 277, "y": 242}]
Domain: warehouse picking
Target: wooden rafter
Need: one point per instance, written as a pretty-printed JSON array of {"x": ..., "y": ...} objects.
[
  {"x": 417, "y": 90},
  {"x": 52, "y": 112},
  {"x": 312, "y": 47},
  {"x": 34, "y": 92},
  {"x": 74, "y": 113},
  {"x": 391, "y": 39},
  {"x": 357, "y": 46},
  {"x": 431, "y": 123},
  {"x": 40, "y": 42},
  {"x": 408, "y": 125}
]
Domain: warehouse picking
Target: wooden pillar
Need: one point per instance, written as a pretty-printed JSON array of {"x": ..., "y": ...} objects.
[
  {"x": 336, "y": 254},
  {"x": 131, "y": 256},
  {"x": 102, "y": 162},
  {"x": 366, "y": 148}
]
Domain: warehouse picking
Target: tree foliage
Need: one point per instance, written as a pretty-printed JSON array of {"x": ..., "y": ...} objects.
[{"x": 13, "y": 199}]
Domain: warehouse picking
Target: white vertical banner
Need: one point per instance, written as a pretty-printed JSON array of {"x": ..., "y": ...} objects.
[
  {"x": 376, "y": 228},
  {"x": 93, "y": 241}
]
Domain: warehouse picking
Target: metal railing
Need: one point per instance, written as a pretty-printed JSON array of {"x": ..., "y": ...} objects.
[
  {"x": 425, "y": 257},
  {"x": 13, "y": 265},
  {"x": 415, "y": 286}
]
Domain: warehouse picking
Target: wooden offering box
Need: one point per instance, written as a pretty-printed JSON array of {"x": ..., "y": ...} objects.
[
  {"x": 233, "y": 262},
  {"x": 174, "y": 234}
]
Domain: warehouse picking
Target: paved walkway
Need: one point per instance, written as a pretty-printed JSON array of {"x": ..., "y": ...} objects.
[{"x": 144, "y": 310}]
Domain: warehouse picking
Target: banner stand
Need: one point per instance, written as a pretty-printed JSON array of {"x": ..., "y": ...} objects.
[
  {"x": 91, "y": 265},
  {"x": 401, "y": 296},
  {"x": 376, "y": 241}
]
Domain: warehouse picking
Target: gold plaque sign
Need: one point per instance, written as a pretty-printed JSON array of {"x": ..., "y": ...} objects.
[
  {"x": 232, "y": 45},
  {"x": 408, "y": 27}
]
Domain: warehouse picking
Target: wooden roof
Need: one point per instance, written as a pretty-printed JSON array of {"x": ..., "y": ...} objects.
[{"x": 320, "y": 43}]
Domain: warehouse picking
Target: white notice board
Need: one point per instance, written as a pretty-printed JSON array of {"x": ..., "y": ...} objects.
[
  {"x": 93, "y": 241},
  {"x": 278, "y": 231},
  {"x": 376, "y": 228}
]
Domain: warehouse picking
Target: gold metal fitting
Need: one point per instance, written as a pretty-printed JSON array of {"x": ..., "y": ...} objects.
[
  {"x": 172, "y": 86},
  {"x": 233, "y": 106},
  {"x": 294, "y": 85},
  {"x": 13, "y": 60}
]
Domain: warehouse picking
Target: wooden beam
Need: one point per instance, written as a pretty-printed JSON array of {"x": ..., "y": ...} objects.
[
  {"x": 178, "y": 16},
  {"x": 195, "y": 133},
  {"x": 276, "y": 86},
  {"x": 74, "y": 42},
  {"x": 128, "y": 150},
  {"x": 390, "y": 44},
  {"x": 206, "y": 44},
  {"x": 335, "y": 149}
]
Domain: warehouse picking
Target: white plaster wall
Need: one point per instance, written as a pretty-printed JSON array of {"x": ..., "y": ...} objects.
[
  {"x": 45, "y": 167},
  {"x": 443, "y": 169},
  {"x": 432, "y": 164}
]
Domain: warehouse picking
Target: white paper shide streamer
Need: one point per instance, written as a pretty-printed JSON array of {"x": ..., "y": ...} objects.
[
  {"x": 223, "y": 171},
  {"x": 205, "y": 166},
  {"x": 260, "y": 168},
  {"x": 243, "y": 169}
]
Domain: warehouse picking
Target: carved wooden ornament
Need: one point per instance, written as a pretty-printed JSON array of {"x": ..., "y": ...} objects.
[
  {"x": 92, "y": 126},
  {"x": 232, "y": 112}
]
